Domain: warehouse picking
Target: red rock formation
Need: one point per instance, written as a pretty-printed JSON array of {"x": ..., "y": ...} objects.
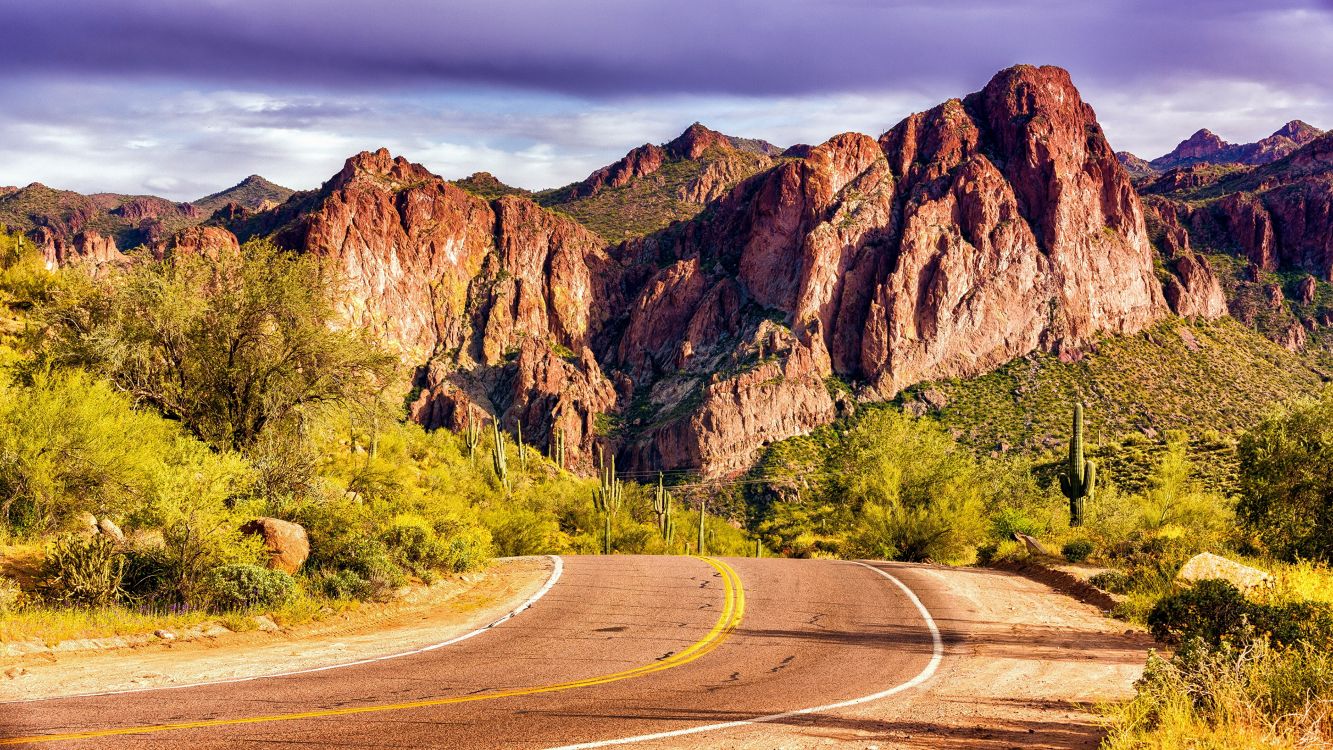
[
  {"x": 1194, "y": 291},
  {"x": 966, "y": 236},
  {"x": 969, "y": 235},
  {"x": 86, "y": 248},
  {"x": 207, "y": 241},
  {"x": 640, "y": 162}
]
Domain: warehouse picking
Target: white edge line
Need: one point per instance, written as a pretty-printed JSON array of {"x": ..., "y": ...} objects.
[
  {"x": 937, "y": 655},
  {"x": 557, "y": 568}
]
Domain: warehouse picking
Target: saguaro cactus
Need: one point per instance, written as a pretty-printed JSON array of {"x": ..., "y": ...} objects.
[
  {"x": 473, "y": 438},
  {"x": 662, "y": 507},
  {"x": 703, "y": 514},
  {"x": 1079, "y": 479},
  {"x": 498, "y": 457},
  {"x": 558, "y": 446},
  {"x": 606, "y": 498}
]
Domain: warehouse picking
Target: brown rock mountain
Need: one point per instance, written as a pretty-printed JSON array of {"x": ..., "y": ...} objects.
[
  {"x": 67, "y": 224},
  {"x": 979, "y": 231},
  {"x": 1207, "y": 147}
]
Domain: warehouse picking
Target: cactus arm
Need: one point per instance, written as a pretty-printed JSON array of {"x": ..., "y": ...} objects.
[{"x": 1089, "y": 478}]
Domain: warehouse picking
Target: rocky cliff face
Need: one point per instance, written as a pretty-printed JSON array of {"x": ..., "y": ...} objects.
[
  {"x": 979, "y": 231},
  {"x": 968, "y": 235},
  {"x": 1277, "y": 215}
]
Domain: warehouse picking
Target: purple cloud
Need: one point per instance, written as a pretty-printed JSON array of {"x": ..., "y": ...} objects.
[{"x": 607, "y": 48}]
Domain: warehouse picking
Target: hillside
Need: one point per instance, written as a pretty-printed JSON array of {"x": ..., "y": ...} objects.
[
  {"x": 653, "y": 186},
  {"x": 254, "y": 193},
  {"x": 1217, "y": 377}
]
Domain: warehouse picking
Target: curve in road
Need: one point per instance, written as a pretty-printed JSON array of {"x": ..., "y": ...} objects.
[{"x": 616, "y": 652}]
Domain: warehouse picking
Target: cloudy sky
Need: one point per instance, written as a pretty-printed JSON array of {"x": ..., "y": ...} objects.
[{"x": 184, "y": 97}]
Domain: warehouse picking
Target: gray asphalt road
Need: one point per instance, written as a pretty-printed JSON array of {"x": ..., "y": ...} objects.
[{"x": 621, "y": 646}]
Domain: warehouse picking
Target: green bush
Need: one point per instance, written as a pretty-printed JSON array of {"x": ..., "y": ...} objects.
[
  {"x": 243, "y": 586},
  {"x": 1215, "y": 612},
  {"x": 342, "y": 584},
  {"x": 1009, "y": 521},
  {"x": 1286, "y": 485},
  {"x": 11, "y": 595},
  {"x": 1077, "y": 550},
  {"x": 1113, "y": 581},
  {"x": 82, "y": 571},
  {"x": 1211, "y": 610}
]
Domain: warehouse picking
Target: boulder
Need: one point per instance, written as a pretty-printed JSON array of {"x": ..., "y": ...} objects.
[
  {"x": 287, "y": 543},
  {"x": 1033, "y": 546},
  {"x": 1205, "y": 566},
  {"x": 110, "y": 530}
]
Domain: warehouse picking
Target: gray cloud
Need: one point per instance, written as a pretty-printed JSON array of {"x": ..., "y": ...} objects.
[{"x": 184, "y": 98}]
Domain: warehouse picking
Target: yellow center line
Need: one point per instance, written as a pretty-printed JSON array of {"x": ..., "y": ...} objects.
[{"x": 733, "y": 608}]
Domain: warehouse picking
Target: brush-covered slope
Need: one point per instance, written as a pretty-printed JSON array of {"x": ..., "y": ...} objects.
[{"x": 653, "y": 185}]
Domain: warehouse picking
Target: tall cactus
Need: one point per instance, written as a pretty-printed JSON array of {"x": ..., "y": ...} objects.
[
  {"x": 703, "y": 514},
  {"x": 498, "y": 457},
  {"x": 662, "y": 507},
  {"x": 558, "y": 446},
  {"x": 607, "y": 497},
  {"x": 1079, "y": 479},
  {"x": 473, "y": 438}
]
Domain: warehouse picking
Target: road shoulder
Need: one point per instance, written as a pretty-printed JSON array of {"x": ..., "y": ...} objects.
[{"x": 442, "y": 612}]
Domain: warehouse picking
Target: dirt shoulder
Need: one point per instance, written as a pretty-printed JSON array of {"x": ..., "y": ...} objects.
[
  {"x": 1023, "y": 667},
  {"x": 429, "y": 615}
]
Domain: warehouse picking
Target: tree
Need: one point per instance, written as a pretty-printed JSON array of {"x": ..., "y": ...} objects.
[
  {"x": 1286, "y": 481},
  {"x": 232, "y": 345}
]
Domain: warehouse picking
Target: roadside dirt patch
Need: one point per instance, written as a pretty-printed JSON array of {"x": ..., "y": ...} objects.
[{"x": 429, "y": 616}]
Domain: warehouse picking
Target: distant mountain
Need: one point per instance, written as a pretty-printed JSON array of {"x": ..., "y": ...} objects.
[
  {"x": 488, "y": 186},
  {"x": 1137, "y": 168},
  {"x": 1205, "y": 146},
  {"x": 254, "y": 193},
  {"x": 653, "y": 185},
  {"x": 1271, "y": 230},
  {"x": 62, "y": 215}
]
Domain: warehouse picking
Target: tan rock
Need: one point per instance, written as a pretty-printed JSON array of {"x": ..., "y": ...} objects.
[
  {"x": 287, "y": 543},
  {"x": 1205, "y": 566}
]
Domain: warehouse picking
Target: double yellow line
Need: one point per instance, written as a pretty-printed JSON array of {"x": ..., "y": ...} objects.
[{"x": 733, "y": 608}]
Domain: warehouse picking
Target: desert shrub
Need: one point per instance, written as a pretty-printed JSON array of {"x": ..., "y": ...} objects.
[
  {"x": 447, "y": 545},
  {"x": 1077, "y": 550},
  {"x": 244, "y": 586},
  {"x": 341, "y": 584},
  {"x": 1008, "y": 521},
  {"x": 1215, "y": 612},
  {"x": 522, "y": 531},
  {"x": 1176, "y": 498},
  {"x": 1229, "y": 696},
  {"x": 82, "y": 571},
  {"x": 1113, "y": 581},
  {"x": 11, "y": 595},
  {"x": 1211, "y": 610},
  {"x": 1286, "y": 487},
  {"x": 918, "y": 492}
]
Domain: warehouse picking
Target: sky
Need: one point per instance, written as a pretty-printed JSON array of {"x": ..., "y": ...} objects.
[{"x": 182, "y": 98}]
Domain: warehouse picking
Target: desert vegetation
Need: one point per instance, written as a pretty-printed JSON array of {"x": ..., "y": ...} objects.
[{"x": 150, "y": 416}]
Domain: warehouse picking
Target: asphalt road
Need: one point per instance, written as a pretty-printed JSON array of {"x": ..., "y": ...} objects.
[{"x": 620, "y": 647}]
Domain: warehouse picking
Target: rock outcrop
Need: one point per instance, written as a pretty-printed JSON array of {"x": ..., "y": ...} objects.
[{"x": 1194, "y": 291}]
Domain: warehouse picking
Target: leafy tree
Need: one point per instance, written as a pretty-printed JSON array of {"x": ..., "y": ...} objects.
[
  {"x": 919, "y": 493},
  {"x": 1286, "y": 481},
  {"x": 1176, "y": 498},
  {"x": 231, "y": 344}
]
